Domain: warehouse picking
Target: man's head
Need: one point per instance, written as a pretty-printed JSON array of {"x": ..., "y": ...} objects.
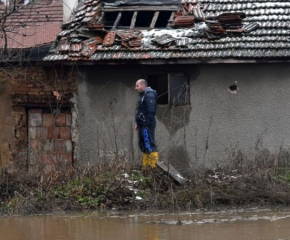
[{"x": 141, "y": 84}]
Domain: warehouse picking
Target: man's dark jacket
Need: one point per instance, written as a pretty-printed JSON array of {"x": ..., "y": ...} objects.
[{"x": 146, "y": 110}]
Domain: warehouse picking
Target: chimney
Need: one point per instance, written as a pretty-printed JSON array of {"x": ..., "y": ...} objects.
[{"x": 68, "y": 7}]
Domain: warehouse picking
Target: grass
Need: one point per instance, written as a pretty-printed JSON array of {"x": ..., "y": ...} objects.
[{"x": 262, "y": 180}]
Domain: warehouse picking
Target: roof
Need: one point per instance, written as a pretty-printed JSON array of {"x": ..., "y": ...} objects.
[
  {"x": 139, "y": 2},
  {"x": 33, "y": 24},
  {"x": 196, "y": 29}
]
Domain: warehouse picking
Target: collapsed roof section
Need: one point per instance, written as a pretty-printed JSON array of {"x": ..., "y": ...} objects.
[
  {"x": 114, "y": 3},
  {"x": 193, "y": 29}
]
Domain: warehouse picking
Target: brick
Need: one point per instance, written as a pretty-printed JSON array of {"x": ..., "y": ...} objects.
[
  {"x": 35, "y": 118},
  {"x": 48, "y": 145},
  {"x": 60, "y": 120},
  {"x": 36, "y": 89},
  {"x": 37, "y": 133},
  {"x": 23, "y": 119},
  {"x": 34, "y": 157},
  {"x": 53, "y": 132},
  {"x": 60, "y": 146},
  {"x": 68, "y": 146},
  {"x": 48, "y": 120},
  {"x": 68, "y": 120},
  {"x": 18, "y": 127},
  {"x": 39, "y": 85},
  {"x": 65, "y": 133},
  {"x": 47, "y": 161},
  {"x": 32, "y": 132},
  {"x": 35, "y": 145},
  {"x": 22, "y": 89},
  {"x": 21, "y": 92},
  {"x": 19, "y": 109},
  {"x": 63, "y": 146},
  {"x": 21, "y": 134},
  {"x": 65, "y": 157}
]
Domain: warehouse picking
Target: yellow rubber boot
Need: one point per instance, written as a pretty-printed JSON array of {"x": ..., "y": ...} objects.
[
  {"x": 145, "y": 160},
  {"x": 153, "y": 159}
]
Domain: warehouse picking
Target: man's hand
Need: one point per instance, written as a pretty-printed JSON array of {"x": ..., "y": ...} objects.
[{"x": 136, "y": 127}]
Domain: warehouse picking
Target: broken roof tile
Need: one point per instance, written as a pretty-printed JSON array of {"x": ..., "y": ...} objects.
[{"x": 202, "y": 29}]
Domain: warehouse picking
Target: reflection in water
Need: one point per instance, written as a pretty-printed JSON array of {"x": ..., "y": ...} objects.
[{"x": 228, "y": 225}]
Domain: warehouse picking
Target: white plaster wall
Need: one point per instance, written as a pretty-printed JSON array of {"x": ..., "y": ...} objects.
[{"x": 214, "y": 123}]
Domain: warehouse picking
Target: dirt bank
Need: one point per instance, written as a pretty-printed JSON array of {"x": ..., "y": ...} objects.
[{"x": 124, "y": 186}]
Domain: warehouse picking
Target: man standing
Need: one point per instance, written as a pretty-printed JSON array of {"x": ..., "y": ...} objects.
[{"x": 146, "y": 123}]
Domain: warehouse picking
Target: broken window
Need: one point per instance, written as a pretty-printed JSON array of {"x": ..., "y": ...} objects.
[
  {"x": 125, "y": 20},
  {"x": 171, "y": 88},
  {"x": 144, "y": 19},
  {"x": 159, "y": 82},
  {"x": 136, "y": 19},
  {"x": 163, "y": 19},
  {"x": 109, "y": 19}
]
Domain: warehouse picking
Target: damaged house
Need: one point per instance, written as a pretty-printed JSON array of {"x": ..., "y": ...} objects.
[
  {"x": 220, "y": 68},
  {"x": 35, "y": 113}
]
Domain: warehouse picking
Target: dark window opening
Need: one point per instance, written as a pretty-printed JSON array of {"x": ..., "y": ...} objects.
[
  {"x": 109, "y": 19},
  {"x": 162, "y": 20},
  {"x": 144, "y": 19},
  {"x": 171, "y": 88},
  {"x": 125, "y": 20},
  {"x": 179, "y": 89},
  {"x": 160, "y": 84}
]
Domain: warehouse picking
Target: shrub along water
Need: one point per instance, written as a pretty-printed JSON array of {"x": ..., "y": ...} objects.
[{"x": 261, "y": 180}]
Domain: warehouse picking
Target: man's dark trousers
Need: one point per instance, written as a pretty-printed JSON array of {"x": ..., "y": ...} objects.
[{"x": 147, "y": 139}]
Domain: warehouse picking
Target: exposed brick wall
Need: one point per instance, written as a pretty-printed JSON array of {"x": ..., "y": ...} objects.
[
  {"x": 38, "y": 87},
  {"x": 43, "y": 86}
]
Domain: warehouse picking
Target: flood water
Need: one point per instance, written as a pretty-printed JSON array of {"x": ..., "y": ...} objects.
[{"x": 249, "y": 224}]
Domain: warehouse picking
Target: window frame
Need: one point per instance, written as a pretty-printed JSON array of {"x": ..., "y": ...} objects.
[
  {"x": 170, "y": 91},
  {"x": 156, "y": 13}
]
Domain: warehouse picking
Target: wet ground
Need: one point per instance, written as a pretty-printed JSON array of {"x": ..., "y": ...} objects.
[{"x": 250, "y": 224}]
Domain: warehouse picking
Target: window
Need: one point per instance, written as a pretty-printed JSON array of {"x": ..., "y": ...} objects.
[
  {"x": 136, "y": 19},
  {"x": 144, "y": 19},
  {"x": 110, "y": 18},
  {"x": 125, "y": 20},
  {"x": 162, "y": 20},
  {"x": 171, "y": 88}
]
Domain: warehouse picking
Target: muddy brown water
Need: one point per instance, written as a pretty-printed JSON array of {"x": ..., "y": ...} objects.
[{"x": 224, "y": 225}]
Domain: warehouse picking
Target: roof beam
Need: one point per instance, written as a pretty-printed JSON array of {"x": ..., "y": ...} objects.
[
  {"x": 154, "y": 19},
  {"x": 142, "y": 8},
  {"x": 101, "y": 18},
  {"x": 170, "y": 21},
  {"x": 117, "y": 21},
  {"x": 133, "y": 21}
]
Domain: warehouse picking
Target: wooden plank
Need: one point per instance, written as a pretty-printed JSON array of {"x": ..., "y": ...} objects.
[
  {"x": 154, "y": 19},
  {"x": 117, "y": 21},
  {"x": 170, "y": 21},
  {"x": 101, "y": 18},
  {"x": 142, "y": 8},
  {"x": 168, "y": 168},
  {"x": 133, "y": 21}
]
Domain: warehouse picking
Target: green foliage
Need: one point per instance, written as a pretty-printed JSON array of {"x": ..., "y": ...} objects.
[
  {"x": 83, "y": 191},
  {"x": 143, "y": 181}
]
